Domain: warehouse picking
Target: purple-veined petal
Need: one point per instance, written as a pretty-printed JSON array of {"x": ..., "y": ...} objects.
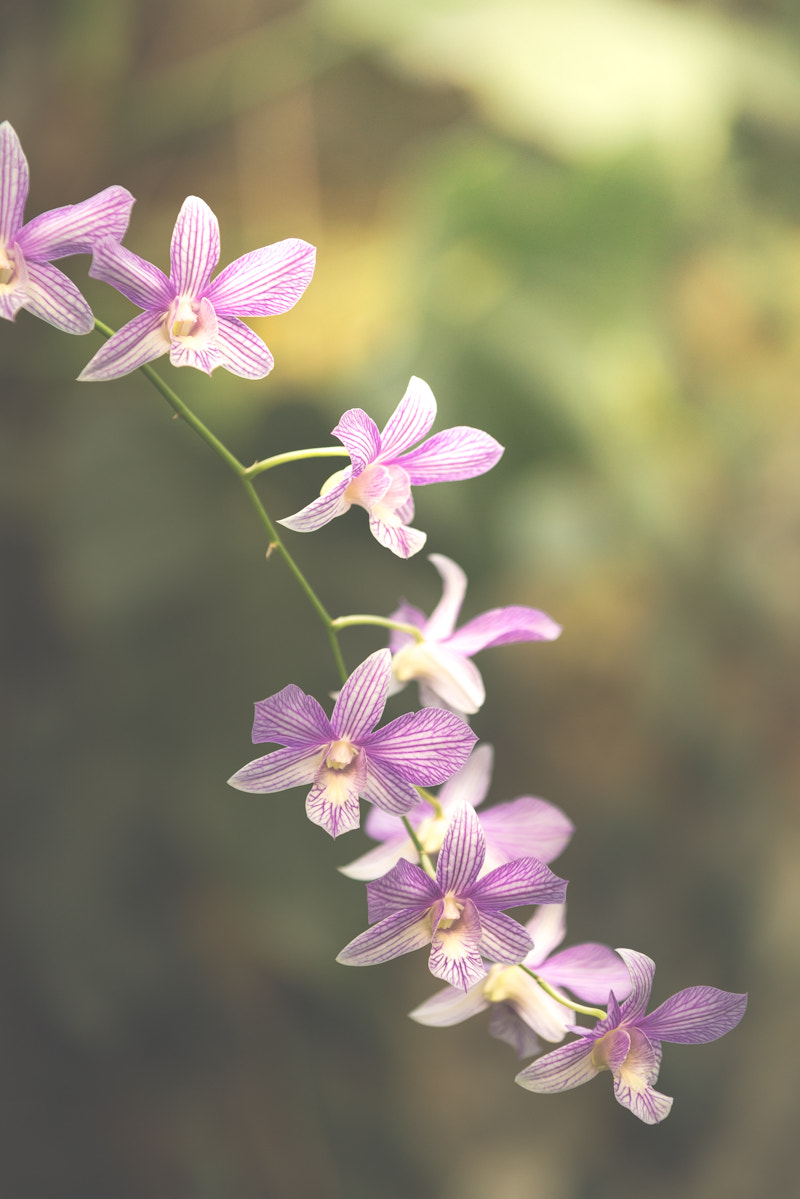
[
  {"x": 454, "y": 588},
  {"x": 458, "y": 453},
  {"x": 525, "y": 827},
  {"x": 138, "y": 280},
  {"x": 611, "y": 1050},
  {"x": 523, "y": 881},
  {"x": 320, "y": 511},
  {"x": 566, "y": 1067},
  {"x": 337, "y": 813},
  {"x": 642, "y": 970},
  {"x": 462, "y": 852},
  {"x": 503, "y": 626},
  {"x": 359, "y": 435},
  {"x": 290, "y": 717},
  {"x": 198, "y": 350},
  {"x": 14, "y": 179},
  {"x": 363, "y": 697},
  {"x": 382, "y": 826},
  {"x": 450, "y": 1006},
  {"x": 648, "y": 1104},
  {"x": 398, "y": 934},
  {"x": 376, "y": 862},
  {"x": 453, "y": 679},
  {"x": 423, "y": 747},
  {"x": 54, "y": 298},
  {"x": 242, "y": 352},
  {"x": 503, "y": 939},
  {"x": 136, "y": 343},
  {"x": 695, "y": 1016},
  {"x": 277, "y": 771},
  {"x": 264, "y": 282},
  {"x": 589, "y": 970},
  {"x": 471, "y": 783},
  {"x": 194, "y": 251},
  {"x": 545, "y": 1015},
  {"x": 455, "y": 955},
  {"x": 408, "y": 614},
  {"x": 410, "y": 420},
  {"x": 400, "y": 539},
  {"x": 505, "y": 1024},
  {"x": 77, "y": 228},
  {"x": 548, "y": 927},
  {"x": 11, "y": 302},
  {"x": 634, "y": 1078},
  {"x": 405, "y": 886},
  {"x": 387, "y": 790}
]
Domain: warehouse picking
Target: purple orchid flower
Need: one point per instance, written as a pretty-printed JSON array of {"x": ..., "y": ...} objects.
[
  {"x": 189, "y": 316},
  {"x": 523, "y": 828},
  {"x": 381, "y": 473},
  {"x": 521, "y": 1011},
  {"x": 628, "y": 1042},
  {"x": 441, "y": 662},
  {"x": 458, "y": 913},
  {"x": 343, "y": 758},
  {"x": 27, "y": 277}
]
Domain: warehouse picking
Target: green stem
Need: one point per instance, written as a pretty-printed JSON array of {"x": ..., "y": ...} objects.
[
  {"x": 424, "y": 860},
  {"x": 562, "y": 999},
  {"x": 275, "y": 543},
  {"x": 258, "y": 468},
  {"x": 432, "y": 800},
  {"x": 344, "y": 622}
]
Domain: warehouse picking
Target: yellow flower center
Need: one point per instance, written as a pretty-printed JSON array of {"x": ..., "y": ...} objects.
[
  {"x": 185, "y": 318},
  {"x": 340, "y": 754}
]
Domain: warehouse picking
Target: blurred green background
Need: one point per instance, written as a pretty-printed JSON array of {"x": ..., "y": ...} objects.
[{"x": 579, "y": 221}]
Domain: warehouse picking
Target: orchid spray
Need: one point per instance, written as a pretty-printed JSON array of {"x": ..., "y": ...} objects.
[{"x": 443, "y": 874}]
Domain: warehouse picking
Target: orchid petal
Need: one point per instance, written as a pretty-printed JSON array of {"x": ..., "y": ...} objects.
[
  {"x": 199, "y": 349},
  {"x": 194, "y": 251},
  {"x": 138, "y": 280},
  {"x": 471, "y": 783},
  {"x": 242, "y": 352},
  {"x": 458, "y": 453},
  {"x": 695, "y": 1016},
  {"x": 387, "y": 790},
  {"x": 454, "y": 588},
  {"x": 503, "y": 626},
  {"x": 398, "y": 934},
  {"x": 264, "y": 282},
  {"x": 339, "y": 815},
  {"x": 611, "y": 1050},
  {"x": 136, "y": 343},
  {"x": 359, "y": 435},
  {"x": 363, "y": 697},
  {"x": 405, "y": 886},
  {"x": 54, "y": 298},
  {"x": 382, "y": 826},
  {"x": 462, "y": 852},
  {"x": 455, "y": 955},
  {"x": 410, "y": 420},
  {"x": 503, "y": 939},
  {"x": 400, "y": 539},
  {"x": 406, "y": 614},
  {"x": 320, "y": 511},
  {"x": 292, "y": 718},
  {"x": 525, "y": 827},
  {"x": 563, "y": 1069},
  {"x": 450, "y": 1006},
  {"x": 376, "y": 862},
  {"x": 423, "y": 747},
  {"x": 523, "y": 881},
  {"x": 642, "y": 970},
  {"x": 589, "y": 970},
  {"x": 548, "y": 927},
  {"x": 649, "y": 1105},
  {"x": 279, "y": 770},
  {"x": 540, "y": 1011},
  {"x": 77, "y": 228},
  {"x": 633, "y": 1079},
  {"x": 506, "y": 1025},
  {"x": 14, "y": 180},
  {"x": 454, "y": 680}
]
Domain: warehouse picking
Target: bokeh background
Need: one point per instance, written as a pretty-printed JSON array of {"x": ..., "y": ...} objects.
[{"x": 579, "y": 220}]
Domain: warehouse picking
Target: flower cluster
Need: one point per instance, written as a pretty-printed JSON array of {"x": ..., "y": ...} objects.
[{"x": 442, "y": 873}]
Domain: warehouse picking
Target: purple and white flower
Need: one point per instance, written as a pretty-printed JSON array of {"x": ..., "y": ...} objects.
[
  {"x": 441, "y": 662},
  {"x": 628, "y": 1042},
  {"x": 521, "y": 1011},
  {"x": 27, "y": 277},
  {"x": 527, "y": 827},
  {"x": 343, "y": 758},
  {"x": 458, "y": 913},
  {"x": 381, "y": 472},
  {"x": 190, "y": 316}
]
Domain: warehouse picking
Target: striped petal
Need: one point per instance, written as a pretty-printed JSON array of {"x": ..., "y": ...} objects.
[
  {"x": 405, "y": 886},
  {"x": 400, "y": 539},
  {"x": 503, "y": 626},
  {"x": 242, "y": 352},
  {"x": 470, "y": 784},
  {"x": 138, "y": 280},
  {"x": 398, "y": 934},
  {"x": 462, "y": 853},
  {"x": 322, "y": 510},
  {"x": 264, "y": 282},
  {"x": 455, "y": 950},
  {"x": 54, "y": 298},
  {"x": 136, "y": 343},
  {"x": 77, "y": 228},
  {"x": 362, "y": 699},
  {"x": 695, "y": 1016},
  {"x": 194, "y": 251},
  {"x": 334, "y": 808},
  {"x": 458, "y": 453},
  {"x": 563, "y": 1069},
  {"x": 290, "y": 717},
  {"x": 423, "y": 747},
  {"x": 359, "y": 435},
  {"x": 14, "y": 180},
  {"x": 523, "y": 881},
  {"x": 503, "y": 939},
  {"x": 642, "y": 970},
  {"x": 387, "y": 790},
  {"x": 278, "y": 771},
  {"x": 410, "y": 420}
]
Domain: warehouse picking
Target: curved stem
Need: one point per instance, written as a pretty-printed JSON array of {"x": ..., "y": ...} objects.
[
  {"x": 275, "y": 543},
  {"x": 333, "y": 451},
  {"x": 385, "y": 622},
  {"x": 432, "y": 800},
  {"x": 424, "y": 860},
  {"x": 563, "y": 999}
]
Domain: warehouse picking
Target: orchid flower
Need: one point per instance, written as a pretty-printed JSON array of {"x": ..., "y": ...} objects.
[
  {"x": 189, "y": 315},
  {"x": 523, "y": 828},
  {"x": 27, "y": 277},
  {"x": 628, "y": 1042},
  {"x": 343, "y": 758},
  {"x": 381, "y": 473},
  {"x": 441, "y": 661},
  {"x": 458, "y": 913},
  {"x": 521, "y": 1011}
]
